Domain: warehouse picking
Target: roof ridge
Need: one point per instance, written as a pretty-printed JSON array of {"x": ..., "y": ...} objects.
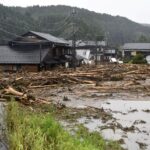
[{"x": 50, "y": 37}]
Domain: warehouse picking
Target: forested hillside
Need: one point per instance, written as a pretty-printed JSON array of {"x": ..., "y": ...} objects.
[{"x": 58, "y": 21}]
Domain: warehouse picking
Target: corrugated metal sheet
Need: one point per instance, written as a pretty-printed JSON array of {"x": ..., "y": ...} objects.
[{"x": 21, "y": 56}]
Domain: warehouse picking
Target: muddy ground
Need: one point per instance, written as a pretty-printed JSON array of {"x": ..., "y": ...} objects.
[
  {"x": 117, "y": 115},
  {"x": 111, "y": 99}
]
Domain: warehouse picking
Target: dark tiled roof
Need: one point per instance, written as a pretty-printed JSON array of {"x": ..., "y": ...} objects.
[
  {"x": 50, "y": 38},
  {"x": 20, "y": 56},
  {"x": 136, "y": 46}
]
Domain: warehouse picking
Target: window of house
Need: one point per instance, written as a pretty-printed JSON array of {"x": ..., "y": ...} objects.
[{"x": 31, "y": 37}]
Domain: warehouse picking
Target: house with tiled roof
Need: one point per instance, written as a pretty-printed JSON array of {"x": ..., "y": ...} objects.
[
  {"x": 33, "y": 51},
  {"x": 131, "y": 49}
]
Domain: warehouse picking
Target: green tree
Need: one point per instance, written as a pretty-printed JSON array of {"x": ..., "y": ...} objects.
[
  {"x": 143, "y": 39},
  {"x": 138, "y": 59}
]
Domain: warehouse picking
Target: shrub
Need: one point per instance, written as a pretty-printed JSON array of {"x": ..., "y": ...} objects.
[
  {"x": 28, "y": 130},
  {"x": 138, "y": 59}
]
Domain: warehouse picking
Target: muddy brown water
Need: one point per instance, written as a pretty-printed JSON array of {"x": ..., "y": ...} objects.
[
  {"x": 127, "y": 114},
  {"x": 131, "y": 113},
  {"x": 131, "y": 120},
  {"x": 3, "y": 145}
]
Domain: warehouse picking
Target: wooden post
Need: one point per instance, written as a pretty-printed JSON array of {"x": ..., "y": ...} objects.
[{"x": 40, "y": 57}]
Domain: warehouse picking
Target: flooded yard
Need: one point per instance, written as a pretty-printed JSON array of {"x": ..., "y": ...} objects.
[
  {"x": 129, "y": 124},
  {"x": 113, "y": 100},
  {"x": 122, "y": 117}
]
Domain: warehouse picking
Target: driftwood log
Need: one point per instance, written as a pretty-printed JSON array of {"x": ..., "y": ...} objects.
[{"x": 14, "y": 92}]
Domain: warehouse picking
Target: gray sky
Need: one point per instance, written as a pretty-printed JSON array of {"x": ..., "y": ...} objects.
[{"x": 136, "y": 10}]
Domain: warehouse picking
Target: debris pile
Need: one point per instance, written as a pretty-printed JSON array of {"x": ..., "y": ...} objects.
[{"x": 114, "y": 77}]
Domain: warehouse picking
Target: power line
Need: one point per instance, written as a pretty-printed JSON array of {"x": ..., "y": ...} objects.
[
  {"x": 2, "y": 29},
  {"x": 64, "y": 25},
  {"x": 10, "y": 33},
  {"x": 61, "y": 24},
  {"x": 4, "y": 23},
  {"x": 16, "y": 35},
  {"x": 13, "y": 34},
  {"x": 28, "y": 28},
  {"x": 63, "y": 34},
  {"x": 62, "y": 21},
  {"x": 66, "y": 36}
]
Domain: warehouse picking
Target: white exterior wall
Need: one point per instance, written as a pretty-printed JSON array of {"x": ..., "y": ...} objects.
[{"x": 85, "y": 53}]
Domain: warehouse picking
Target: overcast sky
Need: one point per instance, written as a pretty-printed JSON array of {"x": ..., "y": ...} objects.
[{"x": 136, "y": 10}]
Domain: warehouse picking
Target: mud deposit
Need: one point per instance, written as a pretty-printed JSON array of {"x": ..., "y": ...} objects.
[
  {"x": 129, "y": 125},
  {"x": 126, "y": 121},
  {"x": 3, "y": 145},
  {"x": 120, "y": 116}
]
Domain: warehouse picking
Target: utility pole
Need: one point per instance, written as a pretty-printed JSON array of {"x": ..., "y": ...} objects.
[
  {"x": 106, "y": 38},
  {"x": 74, "y": 39},
  {"x": 40, "y": 56},
  {"x": 98, "y": 48},
  {"x": 96, "y": 52}
]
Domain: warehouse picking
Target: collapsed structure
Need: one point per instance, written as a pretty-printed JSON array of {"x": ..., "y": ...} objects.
[{"x": 97, "y": 51}]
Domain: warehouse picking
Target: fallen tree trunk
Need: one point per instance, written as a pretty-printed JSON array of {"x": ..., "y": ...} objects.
[{"x": 12, "y": 91}]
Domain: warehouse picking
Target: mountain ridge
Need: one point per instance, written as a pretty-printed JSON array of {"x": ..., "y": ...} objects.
[{"x": 89, "y": 24}]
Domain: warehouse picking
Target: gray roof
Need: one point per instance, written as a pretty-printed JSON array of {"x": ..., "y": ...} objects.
[
  {"x": 136, "y": 46},
  {"x": 90, "y": 43},
  {"x": 50, "y": 38},
  {"x": 81, "y": 43},
  {"x": 20, "y": 56}
]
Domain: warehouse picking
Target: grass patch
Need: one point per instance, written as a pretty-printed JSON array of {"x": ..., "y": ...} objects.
[{"x": 28, "y": 130}]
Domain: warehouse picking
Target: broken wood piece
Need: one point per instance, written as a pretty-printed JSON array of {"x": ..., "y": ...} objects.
[
  {"x": 12, "y": 91},
  {"x": 3, "y": 100},
  {"x": 42, "y": 86},
  {"x": 17, "y": 79},
  {"x": 41, "y": 101},
  {"x": 131, "y": 83}
]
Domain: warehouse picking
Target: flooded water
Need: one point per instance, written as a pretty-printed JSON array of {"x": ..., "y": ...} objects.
[
  {"x": 3, "y": 145},
  {"x": 132, "y": 114},
  {"x": 130, "y": 123}
]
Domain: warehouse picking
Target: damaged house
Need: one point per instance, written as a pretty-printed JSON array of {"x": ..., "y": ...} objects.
[
  {"x": 97, "y": 51},
  {"x": 33, "y": 51}
]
